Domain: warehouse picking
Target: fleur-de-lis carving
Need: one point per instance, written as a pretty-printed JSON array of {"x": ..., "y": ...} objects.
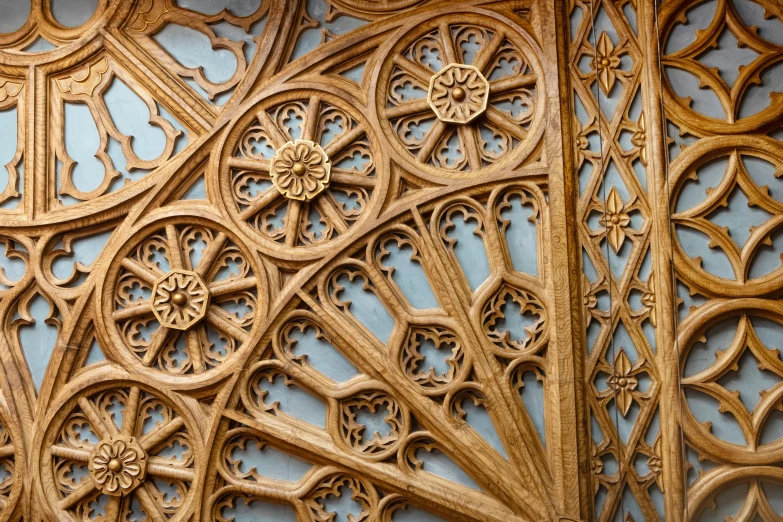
[
  {"x": 648, "y": 298},
  {"x": 623, "y": 382},
  {"x": 615, "y": 220},
  {"x": 655, "y": 463},
  {"x": 606, "y": 62},
  {"x": 639, "y": 138}
]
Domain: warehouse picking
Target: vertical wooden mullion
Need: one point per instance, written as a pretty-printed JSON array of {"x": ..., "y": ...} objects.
[
  {"x": 667, "y": 350},
  {"x": 568, "y": 447}
]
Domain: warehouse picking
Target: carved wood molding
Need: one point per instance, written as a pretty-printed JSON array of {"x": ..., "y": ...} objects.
[{"x": 388, "y": 260}]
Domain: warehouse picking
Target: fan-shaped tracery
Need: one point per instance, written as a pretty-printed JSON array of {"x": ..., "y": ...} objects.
[
  {"x": 300, "y": 171},
  {"x": 460, "y": 98},
  {"x": 182, "y": 297},
  {"x": 393, "y": 404},
  {"x": 119, "y": 449}
]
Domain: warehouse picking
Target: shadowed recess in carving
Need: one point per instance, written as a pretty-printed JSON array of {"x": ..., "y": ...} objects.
[
  {"x": 73, "y": 13},
  {"x": 39, "y": 327},
  {"x": 320, "y": 27},
  {"x": 464, "y": 234},
  {"x": 242, "y": 509},
  {"x": 308, "y": 341},
  {"x": 212, "y": 7},
  {"x": 363, "y": 304}
]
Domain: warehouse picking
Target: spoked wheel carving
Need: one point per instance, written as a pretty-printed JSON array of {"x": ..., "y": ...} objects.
[
  {"x": 458, "y": 99},
  {"x": 181, "y": 299},
  {"x": 299, "y": 171},
  {"x": 120, "y": 449}
]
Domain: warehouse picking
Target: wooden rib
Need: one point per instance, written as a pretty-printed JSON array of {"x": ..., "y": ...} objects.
[
  {"x": 313, "y": 112},
  {"x": 485, "y": 55},
  {"x": 161, "y": 467},
  {"x": 414, "y": 69},
  {"x": 102, "y": 428},
  {"x": 141, "y": 271},
  {"x": 112, "y": 511},
  {"x": 328, "y": 209},
  {"x": 67, "y": 452},
  {"x": 470, "y": 142},
  {"x": 155, "y": 346},
  {"x": 407, "y": 109},
  {"x": 137, "y": 309},
  {"x": 455, "y": 502},
  {"x": 175, "y": 252},
  {"x": 220, "y": 323},
  {"x": 220, "y": 288},
  {"x": 431, "y": 141},
  {"x": 337, "y": 145},
  {"x": 150, "y": 505},
  {"x": 502, "y": 121},
  {"x": 151, "y": 440},
  {"x": 278, "y": 138},
  {"x": 512, "y": 82},
  {"x": 6, "y": 451},
  {"x": 482, "y": 462},
  {"x": 448, "y": 43},
  {"x": 131, "y": 412},
  {"x": 208, "y": 257},
  {"x": 194, "y": 350},
  {"x": 255, "y": 165},
  {"x": 352, "y": 179},
  {"x": 292, "y": 222},
  {"x": 267, "y": 198},
  {"x": 77, "y": 495},
  {"x": 516, "y": 437}
]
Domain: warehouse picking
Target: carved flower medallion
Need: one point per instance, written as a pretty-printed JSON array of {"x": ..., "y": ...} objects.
[
  {"x": 180, "y": 299},
  {"x": 458, "y": 93},
  {"x": 300, "y": 170},
  {"x": 117, "y": 465}
]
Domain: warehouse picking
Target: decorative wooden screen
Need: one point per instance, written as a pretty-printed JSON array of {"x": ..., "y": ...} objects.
[{"x": 391, "y": 260}]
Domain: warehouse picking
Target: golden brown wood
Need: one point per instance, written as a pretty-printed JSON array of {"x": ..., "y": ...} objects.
[{"x": 340, "y": 187}]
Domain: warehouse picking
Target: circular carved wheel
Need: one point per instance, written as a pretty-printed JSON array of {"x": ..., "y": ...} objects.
[
  {"x": 182, "y": 297},
  {"x": 47, "y": 27},
  {"x": 117, "y": 448},
  {"x": 299, "y": 172},
  {"x": 735, "y": 111},
  {"x": 459, "y": 99}
]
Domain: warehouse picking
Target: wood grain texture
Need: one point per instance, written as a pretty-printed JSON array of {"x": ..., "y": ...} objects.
[{"x": 275, "y": 209}]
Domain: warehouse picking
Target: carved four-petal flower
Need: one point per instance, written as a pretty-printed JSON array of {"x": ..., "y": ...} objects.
[
  {"x": 623, "y": 382},
  {"x": 606, "y": 63},
  {"x": 615, "y": 220},
  {"x": 648, "y": 298},
  {"x": 639, "y": 139}
]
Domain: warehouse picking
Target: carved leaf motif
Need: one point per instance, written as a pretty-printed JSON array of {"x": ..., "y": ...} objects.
[
  {"x": 623, "y": 382},
  {"x": 615, "y": 220},
  {"x": 85, "y": 81},
  {"x": 8, "y": 89},
  {"x": 606, "y": 63}
]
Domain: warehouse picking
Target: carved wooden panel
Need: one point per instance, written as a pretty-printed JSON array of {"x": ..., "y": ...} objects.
[{"x": 393, "y": 260}]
